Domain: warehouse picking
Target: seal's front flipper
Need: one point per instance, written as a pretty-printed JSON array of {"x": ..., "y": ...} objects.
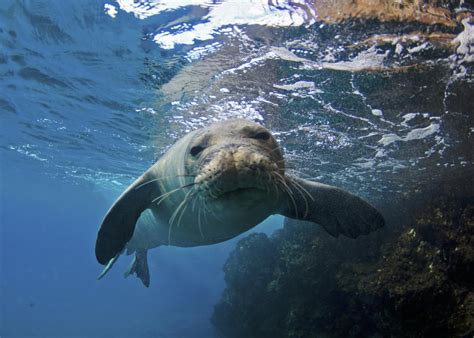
[
  {"x": 109, "y": 266},
  {"x": 139, "y": 266},
  {"x": 338, "y": 211},
  {"x": 119, "y": 222}
]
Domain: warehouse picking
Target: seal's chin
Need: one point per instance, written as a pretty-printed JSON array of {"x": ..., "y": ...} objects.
[
  {"x": 239, "y": 193},
  {"x": 238, "y": 198}
]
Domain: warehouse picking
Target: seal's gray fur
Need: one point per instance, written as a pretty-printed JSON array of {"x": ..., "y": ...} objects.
[{"x": 212, "y": 185}]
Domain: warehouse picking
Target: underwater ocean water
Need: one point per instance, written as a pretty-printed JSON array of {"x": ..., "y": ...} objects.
[{"x": 376, "y": 99}]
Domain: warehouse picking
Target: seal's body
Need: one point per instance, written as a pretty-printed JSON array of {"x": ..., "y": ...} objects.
[{"x": 214, "y": 184}]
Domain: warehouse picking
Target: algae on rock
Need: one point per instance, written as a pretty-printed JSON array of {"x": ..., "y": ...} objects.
[{"x": 301, "y": 282}]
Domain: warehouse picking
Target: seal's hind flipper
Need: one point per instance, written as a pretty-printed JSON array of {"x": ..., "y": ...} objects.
[
  {"x": 338, "y": 211},
  {"x": 119, "y": 222},
  {"x": 139, "y": 266}
]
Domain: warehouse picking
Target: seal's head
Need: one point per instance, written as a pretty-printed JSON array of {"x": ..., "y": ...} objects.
[{"x": 235, "y": 160}]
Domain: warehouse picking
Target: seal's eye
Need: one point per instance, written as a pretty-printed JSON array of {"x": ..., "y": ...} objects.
[
  {"x": 263, "y": 135},
  {"x": 196, "y": 150}
]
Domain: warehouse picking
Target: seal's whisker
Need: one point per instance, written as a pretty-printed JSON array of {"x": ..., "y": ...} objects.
[
  {"x": 194, "y": 195},
  {"x": 169, "y": 234},
  {"x": 289, "y": 163},
  {"x": 302, "y": 190},
  {"x": 291, "y": 182},
  {"x": 172, "y": 218},
  {"x": 288, "y": 160},
  {"x": 274, "y": 182},
  {"x": 301, "y": 187},
  {"x": 206, "y": 218},
  {"x": 199, "y": 218},
  {"x": 279, "y": 182},
  {"x": 181, "y": 209},
  {"x": 289, "y": 191},
  {"x": 267, "y": 186},
  {"x": 195, "y": 200},
  {"x": 291, "y": 169},
  {"x": 215, "y": 216},
  {"x": 161, "y": 178},
  {"x": 296, "y": 171},
  {"x": 183, "y": 205},
  {"x": 164, "y": 196},
  {"x": 276, "y": 186},
  {"x": 169, "y": 193},
  {"x": 150, "y": 181}
]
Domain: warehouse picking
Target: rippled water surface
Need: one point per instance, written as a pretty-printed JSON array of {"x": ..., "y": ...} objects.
[
  {"x": 93, "y": 92},
  {"x": 358, "y": 104}
]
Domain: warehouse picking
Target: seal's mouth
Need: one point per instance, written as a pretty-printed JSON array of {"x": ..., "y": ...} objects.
[
  {"x": 229, "y": 190},
  {"x": 239, "y": 175}
]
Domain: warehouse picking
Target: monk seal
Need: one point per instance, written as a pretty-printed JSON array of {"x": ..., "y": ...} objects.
[{"x": 214, "y": 184}]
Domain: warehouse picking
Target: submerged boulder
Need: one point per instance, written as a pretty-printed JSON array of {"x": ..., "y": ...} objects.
[
  {"x": 301, "y": 282},
  {"x": 422, "y": 284}
]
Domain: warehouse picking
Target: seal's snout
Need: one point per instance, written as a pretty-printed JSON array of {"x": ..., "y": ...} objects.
[{"x": 231, "y": 170}]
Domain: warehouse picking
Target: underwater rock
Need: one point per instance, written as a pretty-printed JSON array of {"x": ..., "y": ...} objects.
[
  {"x": 301, "y": 282},
  {"x": 281, "y": 286},
  {"x": 248, "y": 271},
  {"x": 421, "y": 285}
]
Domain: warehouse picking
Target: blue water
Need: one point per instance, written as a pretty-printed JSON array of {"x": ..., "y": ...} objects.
[
  {"x": 48, "y": 270},
  {"x": 90, "y": 98}
]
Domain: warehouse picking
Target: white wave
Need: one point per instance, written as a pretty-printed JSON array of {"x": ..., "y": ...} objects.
[
  {"x": 200, "y": 52},
  {"x": 377, "y": 112},
  {"x": 297, "y": 85},
  {"x": 253, "y": 62},
  {"x": 408, "y": 117},
  {"x": 227, "y": 13},
  {"x": 234, "y": 109},
  {"x": 365, "y": 60},
  {"x": 28, "y": 150},
  {"x": 110, "y": 10},
  {"x": 369, "y": 59},
  {"x": 146, "y": 9},
  {"x": 415, "y": 134},
  {"x": 421, "y": 133},
  {"x": 465, "y": 39}
]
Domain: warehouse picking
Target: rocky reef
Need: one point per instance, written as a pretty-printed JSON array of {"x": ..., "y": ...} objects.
[{"x": 410, "y": 281}]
